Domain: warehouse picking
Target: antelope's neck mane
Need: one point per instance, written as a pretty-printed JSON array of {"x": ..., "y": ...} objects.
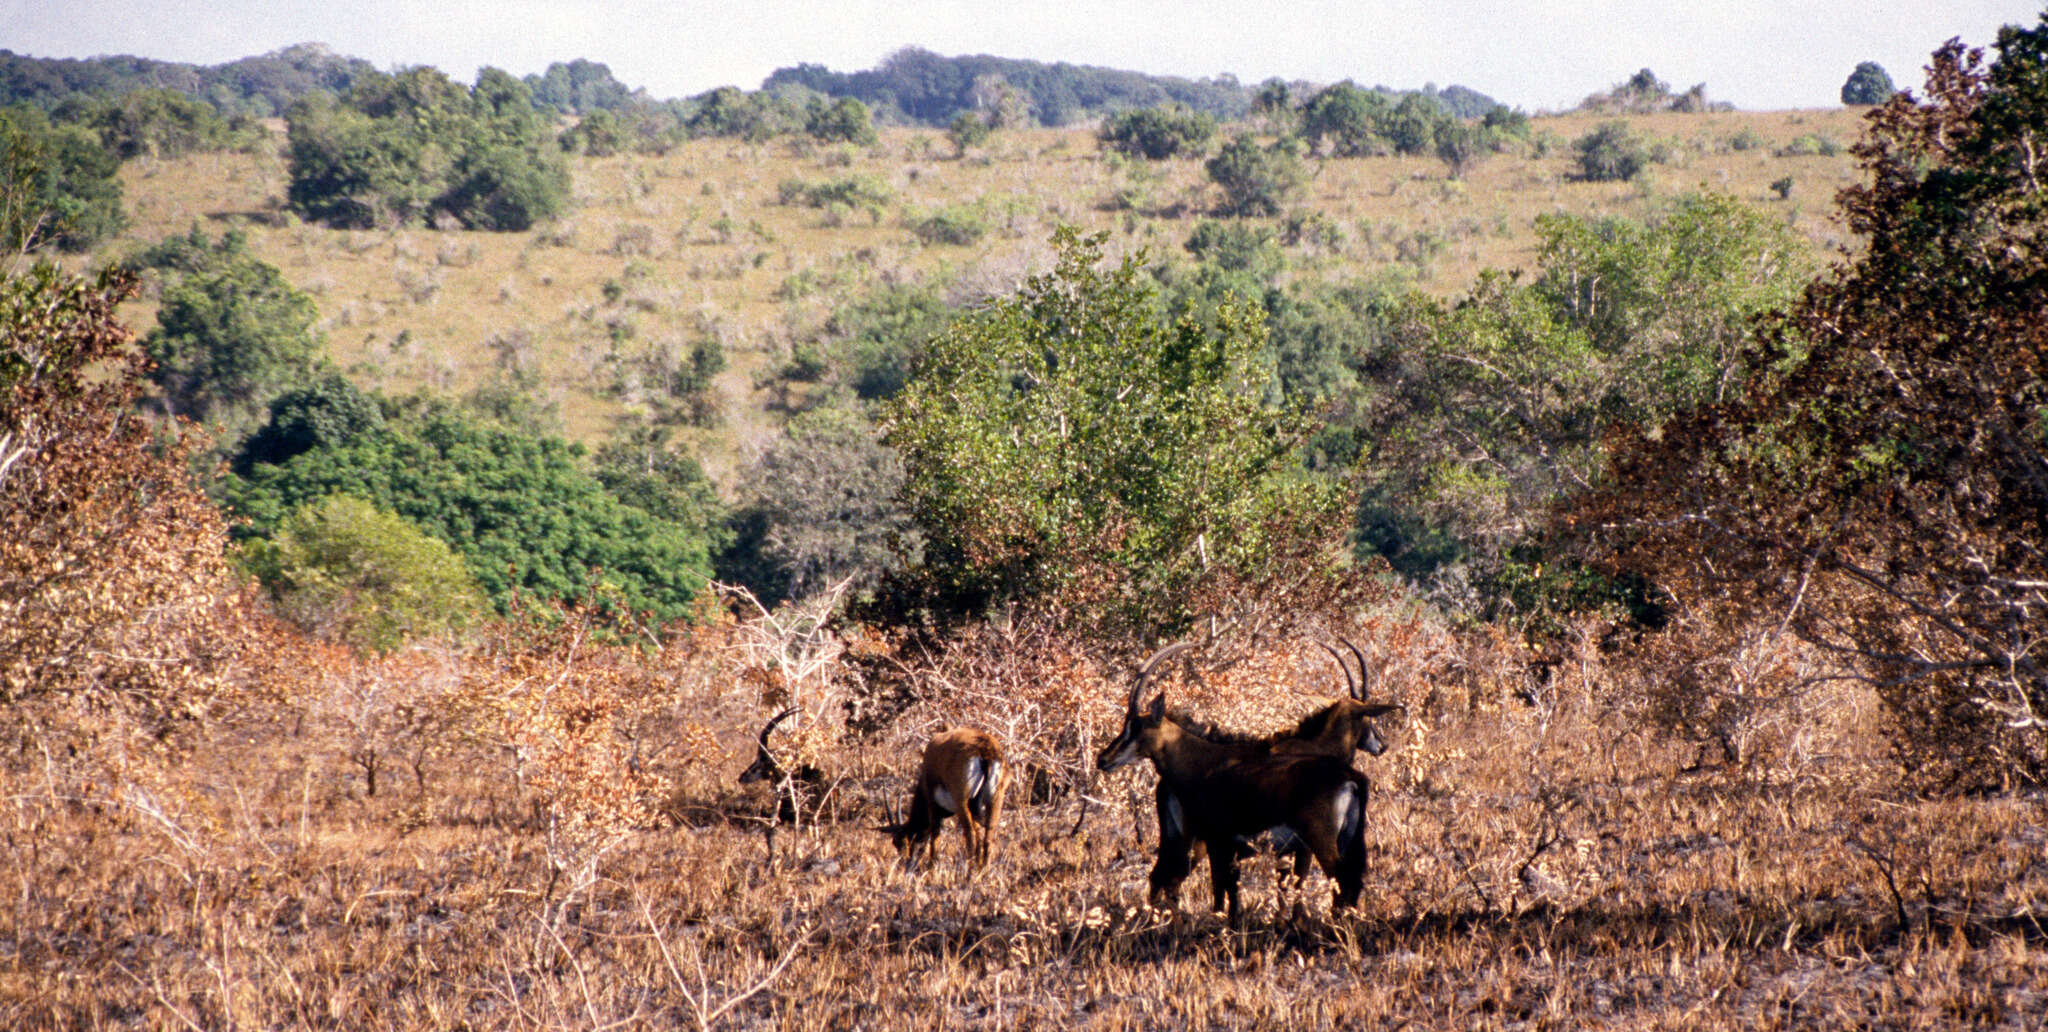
[
  {"x": 1208, "y": 732},
  {"x": 1316, "y": 724}
]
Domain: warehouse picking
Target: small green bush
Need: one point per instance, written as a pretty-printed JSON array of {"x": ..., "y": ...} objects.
[{"x": 956, "y": 224}]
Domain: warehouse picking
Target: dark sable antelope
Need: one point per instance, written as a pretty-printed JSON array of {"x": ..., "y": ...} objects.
[
  {"x": 961, "y": 775},
  {"x": 1335, "y": 730},
  {"x": 792, "y": 787},
  {"x": 1226, "y": 793}
]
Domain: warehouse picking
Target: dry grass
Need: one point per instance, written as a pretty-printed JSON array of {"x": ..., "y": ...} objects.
[
  {"x": 1538, "y": 861},
  {"x": 701, "y": 243}
]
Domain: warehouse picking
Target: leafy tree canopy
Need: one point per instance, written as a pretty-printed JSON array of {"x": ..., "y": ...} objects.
[
  {"x": 57, "y": 184},
  {"x": 414, "y": 146},
  {"x": 1159, "y": 133},
  {"x": 342, "y": 568},
  {"x": 522, "y": 510},
  {"x": 231, "y": 332},
  {"x": 1868, "y": 84},
  {"x": 1067, "y": 445}
]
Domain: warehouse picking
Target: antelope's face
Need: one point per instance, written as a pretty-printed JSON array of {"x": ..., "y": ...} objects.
[
  {"x": 1138, "y": 738},
  {"x": 764, "y": 768},
  {"x": 1370, "y": 741},
  {"x": 1368, "y": 732}
]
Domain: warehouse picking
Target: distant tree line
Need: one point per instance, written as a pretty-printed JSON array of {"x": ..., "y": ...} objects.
[
  {"x": 261, "y": 87},
  {"x": 919, "y": 87}
]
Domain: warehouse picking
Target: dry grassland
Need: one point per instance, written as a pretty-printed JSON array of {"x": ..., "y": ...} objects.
[
  {"x": 697, "y": 243},
  {"x": 1538, "y": 861}
]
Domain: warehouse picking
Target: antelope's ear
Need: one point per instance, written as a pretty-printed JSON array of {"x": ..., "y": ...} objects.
[
  {"x": 1383, "y": 710},
  {"x": 1157, "y": 707}
]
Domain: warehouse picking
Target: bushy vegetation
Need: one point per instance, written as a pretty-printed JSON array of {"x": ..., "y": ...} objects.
[
  {"x": 1068, "y": 446},
  {"x": 522, "y": 510},
  {"x": 231, "y": 333},
  {"x": 58, "y": 189},
  {"x": 1868, "y": 84},
  {"x": 257, "y": 87},
  {"x": 1611, "y": 152},
  {"x": 413, "y": 147},
  {"x": 1159, "y": 133},
  {"x": 1256, "y": 180}
]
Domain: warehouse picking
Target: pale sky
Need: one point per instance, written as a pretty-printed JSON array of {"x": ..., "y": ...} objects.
[{"x": 1537, "y": 55}]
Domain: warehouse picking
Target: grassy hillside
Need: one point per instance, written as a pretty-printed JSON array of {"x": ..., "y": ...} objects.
[{"x": 699, "y": 242}]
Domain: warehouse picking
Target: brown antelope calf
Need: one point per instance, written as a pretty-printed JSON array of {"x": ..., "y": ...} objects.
[
  {"x": 962, "y": 774},
  {"x": 1335, "y": 730},
  {"x": 1225, "y": 794}
]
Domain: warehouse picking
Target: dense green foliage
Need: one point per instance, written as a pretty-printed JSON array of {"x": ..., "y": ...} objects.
[
  {"x": 57, "y": 184},
  {"x": 921, "y": 87},
  {"x": 413, "y": 147},
  {"x": 522, "y": 510},
  {"x": 1256, "y": 180},
  {"x": 157, "y": 123},
  {"x": 258, "y": 87},
  {"x": 341, "y": 568},
  {"x": 1643, "y": 92},
  {"x": 1880, "y": 486},
  {"x": 580, "y": 87},
  {"x": 1612, "y": 151},
  {"x": 231, "y": 333},
  {"x": 1868, "y": 84},
  {"x": 1159, "y": 133},
  {"x": 1479, "y": 413},
  {"x": 1069, "y": 446},
  {"x": 1347, "y": 121}
]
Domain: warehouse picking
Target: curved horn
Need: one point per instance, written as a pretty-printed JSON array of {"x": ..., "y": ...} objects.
[
  {"x": 1350, "y": 686},
  {"x": 1145, "y": 672},
  {"x": 1364, "y": 672},
  {"x": 777, "y": 719}
]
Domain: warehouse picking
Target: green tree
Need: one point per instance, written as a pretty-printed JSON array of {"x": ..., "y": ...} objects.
[
  {"x": 845, "y": 120},
  {"x": 57, "y": 184},
  {"x": 1487, "y": 410},
  {"x": 1612, "y": 151},
  {"x": 342, "y": 568},
  {"x": 403, "y": 148},
  {"x": 523, "y": 510},
  {"x": 1880, "y": 488},
  {"x": 1159, "y": 133},
  {"x": 1412, "y": 126},
  {"x": 231, "y": 333},
  {"x": 1256, "y": 180},
  {"x": 1347, "y": 119},
  {"x": 1067, "y": 446},
  {"x": 1461, "y": 147},
  {"x": 158, "y": 123},
  {"x": 1274, "y": 102},
  {"x": 968, "y": 129},
  {"x": 1868, "y": 84}
]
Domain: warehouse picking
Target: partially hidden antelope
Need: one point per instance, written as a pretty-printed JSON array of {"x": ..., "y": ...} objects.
[
  {"x": 961, "y": 775},
  {"x": 794, "y": 787},
  {"x": 1335, "y": 730},
  {"x": 1227, "y": 792}
]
